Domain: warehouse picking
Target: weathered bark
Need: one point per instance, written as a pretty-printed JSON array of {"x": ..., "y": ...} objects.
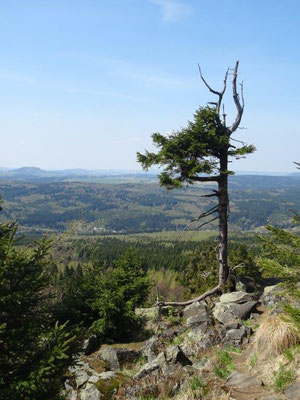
[{"x": 223, "y": 219}]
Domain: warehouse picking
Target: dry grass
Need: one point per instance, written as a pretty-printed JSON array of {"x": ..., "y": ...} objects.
[{"x": 274, "y": 336}]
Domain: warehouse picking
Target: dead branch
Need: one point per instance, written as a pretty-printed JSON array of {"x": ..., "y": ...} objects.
[
  {"x": 215, "y": 193},
  {"x": 202, "y": 215},
  {"x": 208, "y": 222},
  {"x": 239, "y": 107},
  {"x": 205, "y": 178},
  {"x": 216, "y": 92},
  {"x": 215, "y": 290}
]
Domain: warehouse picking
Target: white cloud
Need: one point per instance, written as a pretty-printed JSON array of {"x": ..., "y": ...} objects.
[{"x": 173, "y": 10}]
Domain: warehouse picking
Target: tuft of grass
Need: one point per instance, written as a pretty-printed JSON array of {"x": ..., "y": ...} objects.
[
  {"x": 282, "y": 378},
  {"x": 246, "y": 323},
  {"x": 274, "y": 336},
  {"x": 290, "y": 353},
  {"x": 253, "y": 360},
  {"x": 224, "y": 365},
  {"x": 232, "y": 349},
  {"x": 178, "y": 340}
]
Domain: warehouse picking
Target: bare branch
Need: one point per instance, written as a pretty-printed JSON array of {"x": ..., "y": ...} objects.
[
  {"x": 208, "y": 222},
  {"x": 240, "y": 141},
  {"x": 216, "y": 92},
  {"x": 237, "y": 266},
  {"x": 215, "y": 193},
  {"x": 215, "y": 290},
  {"x": 205, "y": 178},
  {"x": 206, "y": 84},
  {"x": 203, "y": 215},
  {"x": 239, "y": 107}
]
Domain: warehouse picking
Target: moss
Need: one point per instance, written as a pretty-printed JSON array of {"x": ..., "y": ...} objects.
[{"x": 107, "y": 386}]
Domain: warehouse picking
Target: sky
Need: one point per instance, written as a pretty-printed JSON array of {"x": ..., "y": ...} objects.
[{"x": 84, "y": 83}]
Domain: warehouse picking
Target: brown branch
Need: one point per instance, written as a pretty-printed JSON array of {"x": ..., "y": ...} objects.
[
  {"x": 208, "y": 222},
  {"x": 205, "y": 178},
  {"x": 215, "y": 193},
  {"x": 216, "y": 289},
  {"x": 206, "y": 84},
  {"x": 239, "y": 107},
  {"x": 202, "y": 215}
]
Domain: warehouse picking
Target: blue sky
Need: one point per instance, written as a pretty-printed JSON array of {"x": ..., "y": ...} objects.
[{"x": 84, "y": 83}]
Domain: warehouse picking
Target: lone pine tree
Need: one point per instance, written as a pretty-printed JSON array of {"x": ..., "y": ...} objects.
[{"x": 200, "y": 153}]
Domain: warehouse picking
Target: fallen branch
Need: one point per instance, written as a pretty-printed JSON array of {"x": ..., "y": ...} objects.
[{"x": 215, "y": 290}]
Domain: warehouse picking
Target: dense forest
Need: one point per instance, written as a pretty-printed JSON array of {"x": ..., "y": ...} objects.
[{"x": 144, "y": 207}]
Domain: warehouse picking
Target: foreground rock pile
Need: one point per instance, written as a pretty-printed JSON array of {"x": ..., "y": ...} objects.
[{"x": 176, "y": 361}]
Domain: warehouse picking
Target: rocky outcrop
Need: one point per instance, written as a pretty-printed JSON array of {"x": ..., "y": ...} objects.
[
  {"x": 116, "y": 358},
  {"x": 234, "y": 307}
]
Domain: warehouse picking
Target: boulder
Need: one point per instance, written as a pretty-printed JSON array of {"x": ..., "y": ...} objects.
[
  {"x": 226, "y": 312},
  {"x": 71, "y": 395},
  {"x": 147, "y": 369},
  {"x": 127, "y": 356},
  {"x": 292, "y": 392},
  {"x": 81, "y": 377},
  {"x": 199, "y": 318},
  {"x": 234, "y": 337},
  {"x": 90, "y": 393},
  {"x": 118, "y": 357},
  {"x": 241, "y": 381},
  {"x": 151, "y": 348},
  {"x": 272, "y": 296},
  {"x": 110, "y": 356},
  {"x": 235, "y": 297},
  {"x": 174, "y": 355},
  {"x": 196, "y": 309}
]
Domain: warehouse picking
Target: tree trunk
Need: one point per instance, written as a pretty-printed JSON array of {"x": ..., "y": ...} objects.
[{"x": 223, "y": 215}]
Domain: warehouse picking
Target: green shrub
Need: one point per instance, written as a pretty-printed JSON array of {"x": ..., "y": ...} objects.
[{"x": 33, "y": 349}]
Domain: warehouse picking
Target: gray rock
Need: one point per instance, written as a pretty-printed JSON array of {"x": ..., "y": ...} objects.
[
  {"x": 94, "y": 378},
  {"x": 271, "y": 397},
  {"x": 195, "y": 309},
  {"x": 151, "y": 349},
  {"x": 203, "y": 339},
  {"x": 201, "y": 316},
  {"x": 71, "y": 395},
  {"x": 233, "y": 325},
  {"x": 235, "y": 337},
  {"x": 245, "y": 284},
  {"x": 107, "y": 375},
  {"x": 110, "y": 356},
  {"x": 90, "y": 393},
  {"x": 147, "y": 369},
  {"x": 81, "y": 377},
  {"x": 127, "y": 356},
  {"x": 235, "y": 297},
  {"x": 174, "y": 354},
  {"x": 242, "y": 381},
  {"x": 271, "y": 289},
  {"x": 230, "y": 312},
  {"x": 292, "y": 392}
]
